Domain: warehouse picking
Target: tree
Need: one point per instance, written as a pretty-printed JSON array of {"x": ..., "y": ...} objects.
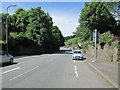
[
  {"x": 69, "y": 37},
  {"x": 58, "y": 39},
  {"x": 83, "y": 32},
  {"x": 22, "y": 20},
  {"x": 33, "y": 27},
  {"x": 95, "y": 15},
  {"x": 39, "y": 27}
]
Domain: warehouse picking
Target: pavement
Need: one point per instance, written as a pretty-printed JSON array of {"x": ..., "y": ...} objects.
[
  {"x": 56, "y": 70},
  {"x": 108, "y": 70}
]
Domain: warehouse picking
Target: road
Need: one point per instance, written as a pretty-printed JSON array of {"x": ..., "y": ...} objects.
[{"x": 56, "y": 70}]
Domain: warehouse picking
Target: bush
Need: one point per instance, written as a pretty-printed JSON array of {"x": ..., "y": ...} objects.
[
  {"x": 86, "y": 43},
  {"x": 106, "y": 37},
  {"x": 73, "y": 41}
]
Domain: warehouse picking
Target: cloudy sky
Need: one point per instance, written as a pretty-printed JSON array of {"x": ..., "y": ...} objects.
[{"x": 65, "y": 14}]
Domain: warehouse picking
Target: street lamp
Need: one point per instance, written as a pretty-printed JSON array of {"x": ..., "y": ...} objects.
[{"x": 7, "y": 27}]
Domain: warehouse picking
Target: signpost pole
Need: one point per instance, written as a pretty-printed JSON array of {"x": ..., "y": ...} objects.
[{"x": 95, "y": 51}]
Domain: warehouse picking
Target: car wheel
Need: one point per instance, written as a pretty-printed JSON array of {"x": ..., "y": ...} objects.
[{"x": 11, "y": 60}]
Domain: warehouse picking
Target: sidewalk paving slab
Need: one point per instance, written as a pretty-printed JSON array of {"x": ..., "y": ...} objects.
[{"x": 108, "y": 70}]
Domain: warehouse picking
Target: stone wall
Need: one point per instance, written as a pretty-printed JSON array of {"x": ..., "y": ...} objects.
[
  {"x": 110, "y": 52},
  {"x": 24, "y": 51},
  {"x": 27, "y": 51},
  {"x": 90, "y": 51}
]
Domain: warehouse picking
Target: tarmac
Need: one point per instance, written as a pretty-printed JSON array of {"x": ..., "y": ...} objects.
[{"x": 108, "y": 70}]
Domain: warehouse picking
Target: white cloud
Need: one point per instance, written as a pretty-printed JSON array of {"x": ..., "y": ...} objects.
[{"x": 67, "y": 25}]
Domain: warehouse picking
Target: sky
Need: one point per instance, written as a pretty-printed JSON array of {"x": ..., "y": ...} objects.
[{"x": 65, "y": 14}]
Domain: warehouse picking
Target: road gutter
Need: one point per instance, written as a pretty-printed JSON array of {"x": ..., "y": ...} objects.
[{"x": 106, "y": 78}]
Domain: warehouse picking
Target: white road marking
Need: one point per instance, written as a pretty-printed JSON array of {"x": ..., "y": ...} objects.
[
  {"x": 25, "y": 72},
  {"x": 10, "y": 70},
  {"x": 14, "y": 65},
  {"x": 75, "y": 68},
  {"x": 76, "y": 73},
  {"x": 74, "y": 61}
]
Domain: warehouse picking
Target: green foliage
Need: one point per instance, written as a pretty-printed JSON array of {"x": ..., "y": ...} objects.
[
  {"x": 18, "y": 11},
  {"x": 16, "y": 35},
  {"x": 58, "y": 39},
  {"x": 97, "y": 15},
  {"x": 69, "y": 37},
  {"x": 86, "y": 43},
  {"x": 22, "y": 21},
  {"x": 73, "y": 41},
  {"x": 13, "y": 34},
  {"x": 106, "y": 37},
  {"x": 84, "y": 33},
  {"x": 2, "y": 42},
  {"x": 100, "y": 16},
  {"x": 33, "y": 28}
]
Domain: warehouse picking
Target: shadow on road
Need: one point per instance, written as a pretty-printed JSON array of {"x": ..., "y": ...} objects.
[
  {"x": 62, "y": 52},
  {"x": 7, "y": 64},
  {"x": 80, "y": 59},
  {"x": 55, "y": 52}
]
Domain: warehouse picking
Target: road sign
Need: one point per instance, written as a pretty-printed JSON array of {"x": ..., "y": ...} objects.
[
  {"x": 97, "y": 35},
  {"x": 96, "y": 39}
]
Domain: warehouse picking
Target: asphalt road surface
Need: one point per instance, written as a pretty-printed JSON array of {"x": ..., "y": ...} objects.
[{"x": 56, "y": 70}]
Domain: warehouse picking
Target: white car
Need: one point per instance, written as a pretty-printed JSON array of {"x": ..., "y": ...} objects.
[
  {"x": 77, "y": 54},
  {"x": 6, "y": 58}
]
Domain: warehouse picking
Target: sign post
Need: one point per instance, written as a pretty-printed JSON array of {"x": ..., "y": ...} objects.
[
  {"x": 96, "y": 39},
  {"x": 95, "y": 52}
]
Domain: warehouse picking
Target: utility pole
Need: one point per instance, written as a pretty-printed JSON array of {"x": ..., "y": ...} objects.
[{"x": 7, "y": 27}]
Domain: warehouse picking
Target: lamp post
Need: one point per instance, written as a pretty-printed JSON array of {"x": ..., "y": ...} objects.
[{"x": 7, "y": 27}]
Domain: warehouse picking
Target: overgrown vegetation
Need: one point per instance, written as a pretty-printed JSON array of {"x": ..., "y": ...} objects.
[
  {"x": 106, "y": 37},
  {"x": 102, "y": 16},
  {"x": 32, "y": 28},
  {"x": 73, "y": 41}
]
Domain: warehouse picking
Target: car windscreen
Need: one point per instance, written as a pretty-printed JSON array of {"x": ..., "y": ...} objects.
[{"x": 77, "y": 52}]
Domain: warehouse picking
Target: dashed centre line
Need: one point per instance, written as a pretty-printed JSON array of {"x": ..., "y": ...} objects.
[
  {"x": 25, "y": 72},
  {"x": 76, "y": 73},
  {"x": 74, "y": 61},
  {"x": 10, "y": 70},
  {"x": 75, "y": 67}
]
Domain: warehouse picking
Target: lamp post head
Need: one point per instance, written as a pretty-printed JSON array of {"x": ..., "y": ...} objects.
[
  {"x": 13, "y": 5},
  {"x": 95, "y": 30}
]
